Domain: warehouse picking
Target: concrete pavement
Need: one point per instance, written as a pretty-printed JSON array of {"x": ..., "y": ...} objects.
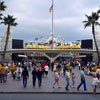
[{"x": 13, "y": 86}]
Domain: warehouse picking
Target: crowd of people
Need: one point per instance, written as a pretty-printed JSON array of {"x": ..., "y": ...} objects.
[
  {"x": 68, "y": 73},
  {"x": 40, "y": 69}
]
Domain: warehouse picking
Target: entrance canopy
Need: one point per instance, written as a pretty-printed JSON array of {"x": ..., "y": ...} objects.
[
  {"x": 51, "y": 54},
  {"x": 49, "y": 51}
]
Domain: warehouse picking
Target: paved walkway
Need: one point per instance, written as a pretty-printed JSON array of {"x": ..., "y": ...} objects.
[{"x": 16, "y": 86}]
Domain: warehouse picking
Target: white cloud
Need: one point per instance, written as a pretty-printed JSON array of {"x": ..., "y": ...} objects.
[{"x": 34, "y": 18}]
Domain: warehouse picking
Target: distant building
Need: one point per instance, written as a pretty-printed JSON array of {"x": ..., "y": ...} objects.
[
  {"x": 12, "y": 44},
  {"x": 87, "y": 44},
  {"x": 95, "y": 57},
  {"x": 17, "y": 44},
  {"x": 2, "y": 45}
]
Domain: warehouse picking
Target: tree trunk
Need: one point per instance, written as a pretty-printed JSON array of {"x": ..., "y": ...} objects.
[
  {"x": 6, "y": 44},
  {"x": 93, "y": 32}
]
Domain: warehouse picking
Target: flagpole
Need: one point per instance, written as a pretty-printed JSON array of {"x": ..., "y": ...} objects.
[{"x": 52, "y": 25}]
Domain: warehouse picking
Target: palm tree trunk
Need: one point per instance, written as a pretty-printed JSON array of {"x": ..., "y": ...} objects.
[
  {"x": 93, "y": 32},
  {"x": 6, "y": 44}
]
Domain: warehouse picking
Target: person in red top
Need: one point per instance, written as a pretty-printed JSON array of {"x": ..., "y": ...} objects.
[{"x": 43, "y": 67}]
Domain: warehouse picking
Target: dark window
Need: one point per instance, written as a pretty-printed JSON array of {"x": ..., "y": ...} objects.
[
  {"x": 87, "y": 44},
  {"x": 17, "y": 44}
]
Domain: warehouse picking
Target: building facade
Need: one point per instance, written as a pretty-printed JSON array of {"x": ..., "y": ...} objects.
[
  {"x": 2, "y": 45},
  {"x": 95, "y": 57}
]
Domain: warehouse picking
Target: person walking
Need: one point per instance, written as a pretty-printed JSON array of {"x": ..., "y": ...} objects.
[
  {"x": 6, "y": 73},
  {"x": 19, "y": 73},
  {"x": 83, "y": 81},
  {"x": 67, "y": 79},
  {"x": 73, "y": 64},
  {"x": 73, "y": 80},
  {"x": 14, "y": 74},
  {"x": 39, "y": 76},
  {"x": 25, "y": 75},
  {"x": 56, "y": 75},
  {"x": 98, "y": 72},
  {"x": 68, "y": 66},
  {"x": 2, "y": 72},
  {"x": 64, "y": 70},
  {"x": 95, "y": 82},
  {"x": 54, "y": 67},
  {"x": 34, "y": 64},
  {"x": 34, "y": 75},
  {"x": 59, "y": 68},
  {"x": 79, "y": 65},
  {"x": 46, "y": 69},
  {"x": 43, "y": 69}
]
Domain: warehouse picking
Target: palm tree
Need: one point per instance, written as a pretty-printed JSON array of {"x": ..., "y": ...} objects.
[
  {"x": 2, "y": 8},
  {"x": 93, "y": 21},
  {"x": 9, "y": 21}
]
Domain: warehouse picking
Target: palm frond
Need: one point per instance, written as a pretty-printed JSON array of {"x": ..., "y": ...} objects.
[
  {"x": 2, "y": 6},
  {"x": 9, "y": 20},
  {"x": 92, "y": 19},
  {"x": 84, "y": 21},
  {"x": 93, "y": 14},
  {"x": 88, "y": 17},
  {"x": 97, "y": 23},
  {"x": 87, "y": 25},
  {"x": 98, "y": 12},
  {"x": 15, "y": 24}
]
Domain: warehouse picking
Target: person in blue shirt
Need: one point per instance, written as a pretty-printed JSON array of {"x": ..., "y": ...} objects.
[{"x": 64, "y": 70}]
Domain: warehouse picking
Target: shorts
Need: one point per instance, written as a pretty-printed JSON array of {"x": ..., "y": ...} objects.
[
  {"x": 73, "y": 80},
  {"x": 56, "y": 79}
]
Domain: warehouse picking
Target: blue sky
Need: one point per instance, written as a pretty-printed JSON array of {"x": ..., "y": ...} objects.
[{"x": 34, "y": 19}]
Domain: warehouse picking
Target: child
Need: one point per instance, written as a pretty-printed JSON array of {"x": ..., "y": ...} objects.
[
  {"x": 73, "y": 79},
  {"x": 94, "y": 84}
]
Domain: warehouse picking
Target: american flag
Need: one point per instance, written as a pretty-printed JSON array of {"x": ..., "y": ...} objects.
[{"x": 51, "y": 8}]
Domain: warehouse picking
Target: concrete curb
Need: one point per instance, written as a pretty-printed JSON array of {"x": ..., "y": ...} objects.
[{"x": 48, "y": 92}]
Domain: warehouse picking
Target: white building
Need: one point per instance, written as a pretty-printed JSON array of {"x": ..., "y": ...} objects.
[
  {"x": 2, "y": 44},
  {"x": 97, "y": 35}
]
